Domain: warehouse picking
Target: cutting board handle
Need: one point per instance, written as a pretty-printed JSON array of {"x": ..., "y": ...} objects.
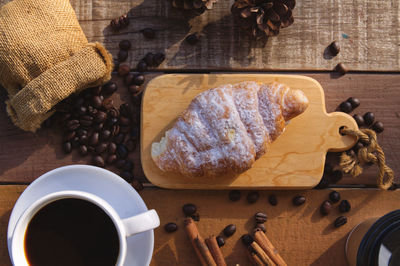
[{"x": 335, "y": 141}]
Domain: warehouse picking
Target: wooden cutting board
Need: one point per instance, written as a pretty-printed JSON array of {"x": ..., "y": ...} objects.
[{"x": 295, "y": 160}]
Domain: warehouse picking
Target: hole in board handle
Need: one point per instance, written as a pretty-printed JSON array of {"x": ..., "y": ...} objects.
[{"x": 340, "y": 130}]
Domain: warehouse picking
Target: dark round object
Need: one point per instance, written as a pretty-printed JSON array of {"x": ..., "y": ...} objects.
[
  {"x": 149, "y": 59},
  {"x": 97, "y": 160},
  {"x": 234, "y": 195},
  {"x": 141, "y": 66},
  {"x": 341, "y": 220},
  {"x": 138, "y": 80},
  {"x": 334, "y": 48},
  {"x": 122, "y": 55},
  {"x": 189, "y": 209},
  {"x": 344, "y": 206},
  {"x": 253, "y": 196},
  {"x": 123, "y": 70},
  {"x": 247, "y": 239},
  {"x": 73, "y": 124},
  {"x": 130, "y": 145},
  {"x": 67, "y": 147},
  {"x": 345, "y": 107},
  {"x": 170, "y": 227},
  {"x": 111, "y": 159},
  {"x": 126, "y": 175},
  {"x": 97, "y": 101},
  {"x": 261, "y": 227},
  {"x": 81, "y": 132},
  {"x": 358, "y": 146},
  {"x": 122, "y": 151},
  {"x": 105, "y": 134},
  {"x": 102, "y": 147},
  {"x": 220, "y": 241},
  {"x": 369, "y": 118},
  {"x": 128, "y": 80},
  {"x": 125, "y": 45},
  {"x": 378, "y": 127},
  {"x": 341, "y": 68},
  {"x": 112, "y": 148},
  {"x": 229, "y": 230},
  {"x": 272, "y": 200},
  {"x": 81, "y": 110},
  {"x": 134, "y": 89},
  {"x": 159, "y": 58},
  {"x": 149, "y": 33},
  {"x": 336, "y": 176},
  {"x": 359, "y": 120},
  {"x": 192, "y": 39},
  {"x": 299, "y": 200},
  {"x": 100, "y": 117},
  {"x": 260, "y": 217},
  {"x": 354, "y": 102},
  {"x": 94, "y": 139},
  {"x": 325, "y": 208},
  {"x": 334, "y": 196},
  {"x": 110, "y": 87},
  {"x": 83, "y": 150}
]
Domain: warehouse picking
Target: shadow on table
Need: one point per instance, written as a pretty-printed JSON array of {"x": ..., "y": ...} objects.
[
  {"x": 334, "y": 255},
  {"x": 3, "y": 235}
]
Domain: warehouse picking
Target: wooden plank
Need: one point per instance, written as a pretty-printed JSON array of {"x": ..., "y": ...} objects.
[
  {"x": 25, "y": 156},
  {"x": 301, "y": 234},
  {"x": 295, "y": 160},
  {"x": 367, "y": 30}
]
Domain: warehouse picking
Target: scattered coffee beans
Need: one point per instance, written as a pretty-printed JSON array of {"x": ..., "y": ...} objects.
[
  {"x": 369, "y": 118},
  {"x": 192, "y": 39},
  {"x": 341, "y": 220},
  {"x": 97, "y": 160},
  {"x": 229, "y": 230},
  {"x": 334, "y": 196},
  {"x": 67, "y": 147},
  {"x": 273, "y": 200},
  {"x": 341, "y": 68},
  {"x": 125, "y": 45},
  {"x": 261, "y": 227},
  {"x": 247, "y": 240},
  {"x": 170, "y": 227},
  {"x": 149, "y": 33},
  {"x": 253, "y": 196},
  {"x": 141, "y": 66},
  {"x": 325, "y": 208},
  {"x": 189, "y": 209},
  {"x": 260, "y": 217},
  {"x": 377, "y": 127},
  {"x": 359, "y": 120},
  {"x": 83, "y": 150},
  {"x": 346, "y": 107},
  {"x": 234, "y": 195},
  {"x": 344, "y": 206},
  {"x": 354, "y": 102},
  {"x": 220, "y": 241},
  {"x": 299, "y": 200},
  {"x": 334, "y": 48},
  {"x": 123, "y": 70}
]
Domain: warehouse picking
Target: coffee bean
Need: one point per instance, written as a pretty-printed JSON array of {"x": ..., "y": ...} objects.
[
  {"x": 97, "y": 160},
  {"x": 96, "y": 101},
  {"x": 260, "y": 217},
  {"x": 81, "y": 110},
  {"x": 126, "y": 109},
  {"x": 134, "y": 89},
  {"x": 369, "y": 118},
  {"x": 334, "y": 48},
  {"x": 149, "y": 33},
  {"x": 334, "y": 196},
  {"x": 90, "y": 149},
  {"x": 83, "y": 150},
  {"x": 81, "y": 132},
  {"x": 128, "y": 80},
  {"x": 341, "y": 68},
  {"x": 141, "y": 66},
  {"x": 138, "y": 80},
  {"x": 253, "y": 196},
  {"x": 120, "y": 163},
  {"x": 130, "y": 145},
  {"x": 69, "y": 135},
  {"x": 73, "y": 124},
  {"x": 345, "y": 107},
  {"x": 86, "y": 121},
  {"x": 105, "y": 134},
  {"x": 273, "y": 200},
  {"x": 341, "y": 220},
  {"x": 170, "y": 227},
  {"x": 109, "y": 88},
  {"x": 336, "y": 176},
  {"x": 94, "y": 139},
  {"x": 114, "y": 130},
  {"x": 261, "y": 227},
  {"x": 124, "y": 45},
  {"x": 159, "y": 58},
  {"x": 344, "y": 206},
  {"x": 189, "y": 209},
  {"x": 118, "y": 139},
  {"x": 220, "y": 241},
  {"x": 326, "y": 207},
  {"x": 67, "y": 147},
  {"x": 122, "y": 152},
  {"x": 126, "y": 175},
  {"x": 354, "y": 102},
  {"x": 107, "y": 104},
  {"x": 359, "y": 120},
  {"x": 247, "y": 240},
  {"x": 122, "y": 55},
  {"x": 75, "y": 142},
  {"x": 83, "y": 139},
  {"x": 299, "y": 200},
  {"x": 100, "y": 117},
  {"x": 91, "y": 110},
  {"x": 111, "y": 121},
  {"x": 137, "y": 185},
  {"x": 98, "y": 127},
  {"x": 377, "y": 127},
  {"x": 102, "y": 147},
  {"x": 125, "y": 121},
  {"x": 113, "y": 112},
  {"x": 149, "y": 59},
  {"x": 111, "y": 158},
  {"x": 123, "y": 70},
  {"x": 234, "y": 195},
  {"x": 229, "y": 230},
  {"x": 128, "y": 166},
  {"x": 192, "y": 39}
]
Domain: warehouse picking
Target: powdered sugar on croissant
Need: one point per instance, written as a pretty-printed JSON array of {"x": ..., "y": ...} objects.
[{"x": 227, "y": 128}]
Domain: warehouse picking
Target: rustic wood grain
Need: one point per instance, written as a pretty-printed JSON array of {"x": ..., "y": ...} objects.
[
  {"x": 301, "y": 234},
  {"x": 367, "y": 30},
  {"x": 25, "y": 156},
  {"x": 294, "y": 160}
]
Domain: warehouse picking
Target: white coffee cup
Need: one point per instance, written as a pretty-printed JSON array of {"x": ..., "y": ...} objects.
[{"x": 124, "y": 227}]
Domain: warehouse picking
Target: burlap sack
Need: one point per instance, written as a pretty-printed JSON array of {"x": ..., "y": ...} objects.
[{"x": 44, "y": 57}]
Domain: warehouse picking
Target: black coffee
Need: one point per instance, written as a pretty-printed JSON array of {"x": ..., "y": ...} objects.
[{"x": 71, "y": 232}]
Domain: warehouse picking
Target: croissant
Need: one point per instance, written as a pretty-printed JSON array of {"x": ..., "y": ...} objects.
[{"x": 227, "y": 128}]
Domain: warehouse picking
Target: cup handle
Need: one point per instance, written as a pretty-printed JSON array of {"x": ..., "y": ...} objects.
[{"x": 141, "y": 222}]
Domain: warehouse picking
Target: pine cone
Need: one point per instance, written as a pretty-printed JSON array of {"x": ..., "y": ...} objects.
[
  {"x": 263, "y": 18},
  {"x": 119, "y": 23},
  {"x": 197, "y": 6}
]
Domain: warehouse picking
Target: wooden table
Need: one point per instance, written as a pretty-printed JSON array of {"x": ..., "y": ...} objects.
[{"x": 368, "y": 32}]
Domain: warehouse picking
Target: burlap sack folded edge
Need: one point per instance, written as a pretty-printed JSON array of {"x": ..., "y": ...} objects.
[{"x": 89, "y": 67}]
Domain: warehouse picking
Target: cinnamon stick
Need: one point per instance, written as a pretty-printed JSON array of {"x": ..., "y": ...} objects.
[
  {"x": 262, "y": 255},
  {"x": 253, "y": 258},
  {"x": 215, "y": 251},
  {"x": 267, "y": 246},
  {"x": 203, "y": 253}
]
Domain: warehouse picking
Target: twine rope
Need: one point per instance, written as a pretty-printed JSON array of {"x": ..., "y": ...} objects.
[{"x": 370, "y": 153}]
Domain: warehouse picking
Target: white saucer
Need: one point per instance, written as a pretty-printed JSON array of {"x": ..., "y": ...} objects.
[{"x": 102, "y": 183}]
